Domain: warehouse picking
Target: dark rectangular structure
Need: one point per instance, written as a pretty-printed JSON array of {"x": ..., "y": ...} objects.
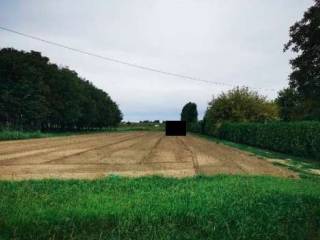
[{"x": 176, "y": 128}]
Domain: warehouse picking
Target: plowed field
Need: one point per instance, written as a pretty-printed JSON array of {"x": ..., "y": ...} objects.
[{"x": 129, "y": 154}]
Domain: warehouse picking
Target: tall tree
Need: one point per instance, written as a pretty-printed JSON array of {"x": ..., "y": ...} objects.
[
  {"x": 305, "y": 76},
  {"x": 189, "y": 113}
]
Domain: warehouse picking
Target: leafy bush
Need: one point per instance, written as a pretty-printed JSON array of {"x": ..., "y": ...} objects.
[
  {"x": 195, "y": 127},
  {"x": 240, "y": 105},
  {"x": 298, "y": 138}
]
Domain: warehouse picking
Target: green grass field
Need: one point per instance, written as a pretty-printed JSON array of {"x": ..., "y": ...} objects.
[{"x": 219, "y": 207}]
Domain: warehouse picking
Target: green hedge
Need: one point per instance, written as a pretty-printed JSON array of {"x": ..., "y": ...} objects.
[{"x": 297, "y": 138}]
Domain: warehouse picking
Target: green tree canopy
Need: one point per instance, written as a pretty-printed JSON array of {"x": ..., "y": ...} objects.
[
  {"x": 305, "y": 76},
  {"x": 189, "y": 113},
  {"x": 239, "y": 105},
  {"x": 290, "y": 105},
  {"x": 36, "y": 94}
]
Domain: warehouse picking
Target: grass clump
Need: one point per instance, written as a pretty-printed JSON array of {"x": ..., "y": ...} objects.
[
  {"x": 6, "y": 135},
  {"x": 219, "y": 207},
  {"x": 16, "y": 135}
]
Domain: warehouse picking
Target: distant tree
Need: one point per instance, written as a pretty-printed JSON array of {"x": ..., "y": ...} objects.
[
  {"x": 239, "y": 105},
  {"x": 305, "y": 76},
  {"x": 189, "y": 113}
]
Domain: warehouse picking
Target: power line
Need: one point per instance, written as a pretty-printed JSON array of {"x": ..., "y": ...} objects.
[{"x": 120, "y": 61}]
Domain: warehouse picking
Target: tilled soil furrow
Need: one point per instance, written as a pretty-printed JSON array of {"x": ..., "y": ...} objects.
[
  {"x": 193, "y": 155},
  {"x": 169, "y": 150},
  {"x": 95, "y": 148},
  {"x": 101, "y": 154},
  {"x": 48, "y": 154},
  {"x": 216, "y": 158},
  {"x": 129, "y": 154},
  {"x": 82, "y": 168},
  {"x": 213, "y": 157},
  {"x": 25, "y": 146},
  {"x": 34, "y": 144},
  {"x": 151, "y": 152}
]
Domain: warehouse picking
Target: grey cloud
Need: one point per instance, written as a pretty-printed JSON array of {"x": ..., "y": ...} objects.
[{"x": 235, "y": 42}]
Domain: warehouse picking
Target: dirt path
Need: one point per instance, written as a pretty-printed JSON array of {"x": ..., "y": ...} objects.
[{"x": 130, "y": 154}]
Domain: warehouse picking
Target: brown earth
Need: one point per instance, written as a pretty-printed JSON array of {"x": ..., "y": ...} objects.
[{"x": 129, "y": 154}]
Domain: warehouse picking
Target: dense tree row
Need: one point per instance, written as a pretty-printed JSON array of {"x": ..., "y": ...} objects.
[{"x": 38, "y": 95}]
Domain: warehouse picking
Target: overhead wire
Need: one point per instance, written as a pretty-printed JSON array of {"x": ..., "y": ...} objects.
[{"x": 118, "y": 61}]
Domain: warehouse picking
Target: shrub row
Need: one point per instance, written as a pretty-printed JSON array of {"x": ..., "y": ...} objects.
[{"x": 297, "y": 138}]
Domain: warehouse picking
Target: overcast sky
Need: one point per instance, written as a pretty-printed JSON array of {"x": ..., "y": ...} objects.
[{"x": 229, "y": 41}]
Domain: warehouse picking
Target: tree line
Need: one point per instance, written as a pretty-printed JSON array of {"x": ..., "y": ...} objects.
[
  {"x": 38, "y": 95},
  {"x": 299, "y": 102}
]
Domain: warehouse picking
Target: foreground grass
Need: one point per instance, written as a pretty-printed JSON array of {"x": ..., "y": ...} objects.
[{"x": 220, "y": 207}]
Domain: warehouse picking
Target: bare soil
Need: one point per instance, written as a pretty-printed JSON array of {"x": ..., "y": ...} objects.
[{"x": 129, "y": 154}]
